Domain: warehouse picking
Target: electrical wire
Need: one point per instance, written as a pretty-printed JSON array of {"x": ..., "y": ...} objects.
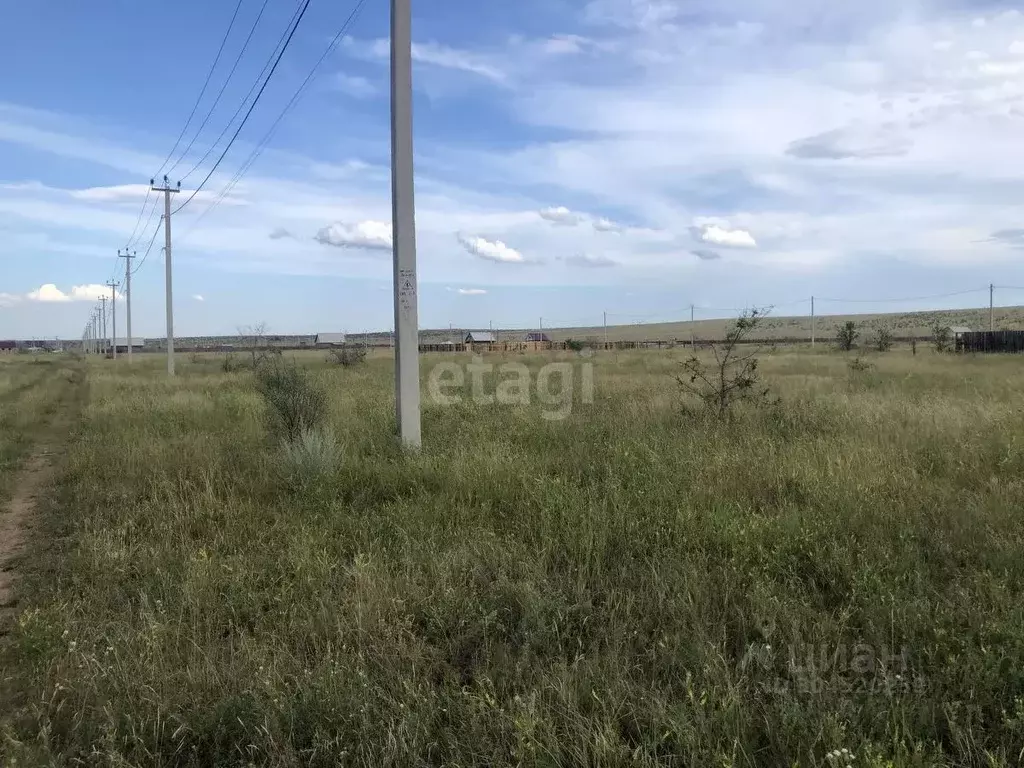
[
  {"x": 202, "y": 93},
  {"x": 220, "y": 95},
  {"x": 152, "y": 240},
  {"x": 262, "y": 145},
  {"x": 139, "y": 219},
  {"x": 914, "y": 298},
  {"x": 255, "y": 101},
  {"x": 252, "y": 88}
]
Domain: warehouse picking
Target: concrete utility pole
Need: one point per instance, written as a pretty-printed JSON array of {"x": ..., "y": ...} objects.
[
  {"x": 991, "y": 307},
  {"x": 128, "y": 294},
  {"x": 103, "y": 313},
  {"x": 812, "y": 322},
  {"x": 168, "y": 190},
  {"x": 693, "y": 331},
  {"x": 403, "y": 223},
  {"x": 113, "y": 317},
  {"x": 95, "y": 332},
  {"x": 606, "y": 329}
]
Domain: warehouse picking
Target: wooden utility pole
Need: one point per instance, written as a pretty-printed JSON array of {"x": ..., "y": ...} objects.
[
  {"x": 113, "y": 317},
  {"x": 693, "y": 332},
  {"x": 128, "y": 295},
  {"x": 606, "y": 329},
  {"x": 168, "y": 190}
]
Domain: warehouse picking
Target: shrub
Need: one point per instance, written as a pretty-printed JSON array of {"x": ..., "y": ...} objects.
[
  {"x": 733, "y": 377},
  {"x": 296, "y": 403},
  {"x": 883, "y": 339},
  {"x": 846, "y": 337},
  {"x": 859, "y": 364},
  {"x": 310, "y": 457},
  {"x": 575, "y": 345},
  {"x": 347, "y": 355},
  {"x": 942, "y": 337},
  {"x": 231, "y": 363}
]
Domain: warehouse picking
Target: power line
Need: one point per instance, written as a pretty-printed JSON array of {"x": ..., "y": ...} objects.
[
  {"x": 914, "y": 298},
  {"x": 252, "y": 88},
  {"x": 156, "y": 231},
  {"x": 202, "y": 93},
  {"x": 262, "y": 145},
  {"x": 220, "y": 93},
  {"x": 141, "y": 212},
  {"x": 255, "y": 101}
]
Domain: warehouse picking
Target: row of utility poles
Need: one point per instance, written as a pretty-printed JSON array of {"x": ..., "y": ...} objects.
[{"x": 403, "y": 219}]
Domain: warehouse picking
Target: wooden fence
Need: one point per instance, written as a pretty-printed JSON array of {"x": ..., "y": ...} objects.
[{"x": 990, "y": 341}]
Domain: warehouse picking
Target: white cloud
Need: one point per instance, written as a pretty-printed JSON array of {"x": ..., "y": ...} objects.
[
  {"x": 432, "y": 53},
  {"x": 49, "y": 292},
  {"x": 491, "y": 250},
  {"x": 560, "y": 215},
  {"x": 606, "y": 225},
  {"x": 471, "y": 291},
  {"x": 722, "y": 236},
  {"x": 355, "y": 86},
  {"x": 197, "y": 297},
  {"x": 9, "y": 299},
  {"x": 371, "y": 235},
  {"x": 135, "y": 194},
  {"x": 586, "y": 260},
  {"x": 280, "y": 233}
]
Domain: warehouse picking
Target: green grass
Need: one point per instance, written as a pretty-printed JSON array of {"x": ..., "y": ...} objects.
[{"x": 632, "y": 585}]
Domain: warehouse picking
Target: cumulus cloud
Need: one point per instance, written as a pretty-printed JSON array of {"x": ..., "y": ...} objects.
[
  {"x": 491, "y": 250},
  {"x": 706, "y": 254},
  {"x": 606, "y": 225},
  {"x": 9, "y": 299},
  {"x": 586, "y": 260},
  {"x": 561, "y": 215},
  {"x": 198, "y": 297},
  {"x": 370, "y": 235},
  {"x": 713, "y": 234},
  {"x": 49, "y": 292},
  {"x": 280, "y": 233}
]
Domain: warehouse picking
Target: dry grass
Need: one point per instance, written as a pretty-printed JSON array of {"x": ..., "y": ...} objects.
[{"x": 629, "y": 586}]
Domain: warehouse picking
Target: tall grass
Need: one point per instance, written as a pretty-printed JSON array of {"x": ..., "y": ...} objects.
[{"x": 628, "y": 586}]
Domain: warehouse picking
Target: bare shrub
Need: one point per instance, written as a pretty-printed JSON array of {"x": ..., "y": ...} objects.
[
  {"x": 883, "y": 339},
  {"x": 347, "y": 355},
  {"x": 733, "y": 376},
  {"x": 296, "y": 402}
]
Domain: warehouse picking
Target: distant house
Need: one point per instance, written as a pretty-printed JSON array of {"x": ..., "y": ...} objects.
[
  {"x": 8, "y": 346},
  {"x": 330, "y": 340},
  {"x": 138, "y": 343},
  {"x": 958, "y": 330},
  {"x": 479, "y": 337},
  {"x": 535, "y": 336}
]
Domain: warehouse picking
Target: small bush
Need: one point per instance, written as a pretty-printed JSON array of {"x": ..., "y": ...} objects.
[
  {"x": 575, "y": 345},
  {"x": 859, "y": 364},
  {"x": 297, "y": 404},
  {"x": 942, "y": 337},
  {"x": 733, "y": 376},
  {"x": 846, "y": 336},
  {"x": 231, "y": 363},
  {"x": 310, "y": 457},
  {"x": 883, "y": 339},
  {"x": 347, "y": 355}
]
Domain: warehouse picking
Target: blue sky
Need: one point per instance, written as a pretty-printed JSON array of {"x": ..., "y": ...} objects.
[{"x": 573, "y": 157}]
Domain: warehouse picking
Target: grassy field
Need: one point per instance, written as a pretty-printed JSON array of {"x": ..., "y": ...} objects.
[
  {"x": 778, "y": 326},
  {"x": 634, "y": 584}
]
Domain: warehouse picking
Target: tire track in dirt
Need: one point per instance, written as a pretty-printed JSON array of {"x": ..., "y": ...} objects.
[{"x": 32, "y": 481}]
